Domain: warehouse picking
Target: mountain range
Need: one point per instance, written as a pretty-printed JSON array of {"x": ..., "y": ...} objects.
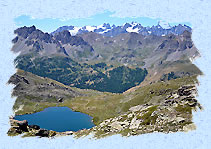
[
  {"x": 112, "y": 30},
  {"x": 86, "y": 60}
]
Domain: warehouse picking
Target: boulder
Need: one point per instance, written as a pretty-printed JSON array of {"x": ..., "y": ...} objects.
[
  {"x": 151, "y": 92},
  {"x": 189, "y": 127},
  {"x": 60, "y": 99},
  {"x": 23, "y": 125},
  {"x": 192, "y": 104},
  {"x": 183, "y": 91},
  {"x": 36, "y": 127},
  {"x": 116, "y": 125},
  {"x": 134, "y": 124},
  {"x": 179, "y": 119},
  {"x": 52, "y": 133},
  {"x": 68, "y": 133},
  {"x": 14, "y": 131},
  {"x": 43, "y": 133}
]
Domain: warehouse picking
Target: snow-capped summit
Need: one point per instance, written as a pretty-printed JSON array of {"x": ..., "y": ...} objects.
[
  {"x": 161, "y": 29},
  {"x": 164, "y": 24},
  {"x": 134, "y": 27},
  {"x": 74, "y": 30}
]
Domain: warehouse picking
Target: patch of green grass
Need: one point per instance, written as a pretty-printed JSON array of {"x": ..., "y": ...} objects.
[
  {"x": 147, "y": 118},
  {"x": 124, "y": 117},
  {"x": 125, "y": 132},
  {"x": 183, "y": 109},
  {"x": 28, "y": 134},
  {"x": 12, "y": 132},
  {"x": 32, "y": 106},
  {"x": 82, "y": 133},
  {"x": 102, "y": 134},
  {"x": 186, "y": 123}
]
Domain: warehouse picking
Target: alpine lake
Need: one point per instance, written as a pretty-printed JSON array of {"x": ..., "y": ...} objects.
[{"x": 58, "y": 119}]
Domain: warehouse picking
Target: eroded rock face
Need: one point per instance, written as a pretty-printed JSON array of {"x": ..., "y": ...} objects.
[
  {"x": 43, "y": 133},
  {"x": 116, "y": 125},
  {"x": 22, "y": 127},
  {"x": 184, "y": 91},
  {"x": 15, "y": 79},
  {"x": 17, "y": 127}
]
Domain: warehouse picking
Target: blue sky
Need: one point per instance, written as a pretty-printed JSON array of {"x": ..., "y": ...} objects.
[{"x": 51, "y": 24}]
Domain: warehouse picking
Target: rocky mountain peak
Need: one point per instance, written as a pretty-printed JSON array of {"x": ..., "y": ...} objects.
[
  {"x": 25, "y": 31},
  {"x": 63, "y": 36},
  {"x": 164, "y": 24},
  {"x": 161, "y": 29}
]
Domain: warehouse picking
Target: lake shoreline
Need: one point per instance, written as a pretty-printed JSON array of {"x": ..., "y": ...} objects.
[{"x": 64, "y": 117}]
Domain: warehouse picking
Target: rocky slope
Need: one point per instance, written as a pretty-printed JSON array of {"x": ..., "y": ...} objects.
[
  {"x": 126, "y": 49},
  {"x": 173, "y": 114},
  {"x": 136, "y": 50},
  {"x": 34, "y": 92},
  {"x": 32, "y": 40}
]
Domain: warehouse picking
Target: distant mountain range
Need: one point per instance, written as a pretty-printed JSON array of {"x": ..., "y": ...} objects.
[
  {"x": 90, "y": 60},
  {"x": 161, "y": 29}
]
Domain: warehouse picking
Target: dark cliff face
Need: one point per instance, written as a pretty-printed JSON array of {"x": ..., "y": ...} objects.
[
  {"x": 177, "y": 43},
  {"x": 32, "y": 40},
  {"x": 24, "y": 31},
  {"x": 66, "y": 38},
  {"x": 31, "y": 34},
  {"x": 38, "y": 34},
  {"x": 63, "y": 36}
]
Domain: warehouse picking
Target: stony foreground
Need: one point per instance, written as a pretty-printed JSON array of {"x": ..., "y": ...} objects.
[{"x": 173, "y": 114}]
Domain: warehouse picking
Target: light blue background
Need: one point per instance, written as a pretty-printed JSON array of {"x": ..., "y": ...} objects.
[{"x": 197, "y": 12}]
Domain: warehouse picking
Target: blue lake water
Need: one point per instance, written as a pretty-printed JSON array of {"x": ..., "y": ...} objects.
[{"x": 58, "y": 119}]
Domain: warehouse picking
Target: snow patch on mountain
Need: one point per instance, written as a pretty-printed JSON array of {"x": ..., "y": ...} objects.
[
  {"x": 133, "y": 28},
  {"x": 91, "y": 28},
  {"x": 161, "y": 29},
  {"x": 164, "y": 24},
  {"x": 74, "y": 31}
]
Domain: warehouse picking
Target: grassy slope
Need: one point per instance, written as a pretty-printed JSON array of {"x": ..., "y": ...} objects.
[
  {"x": 154, "y": 74},
  {"x": 111, "y": 105},
  {"x": 101, "y": 105},
  {"x": 31, "y": 104}
]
